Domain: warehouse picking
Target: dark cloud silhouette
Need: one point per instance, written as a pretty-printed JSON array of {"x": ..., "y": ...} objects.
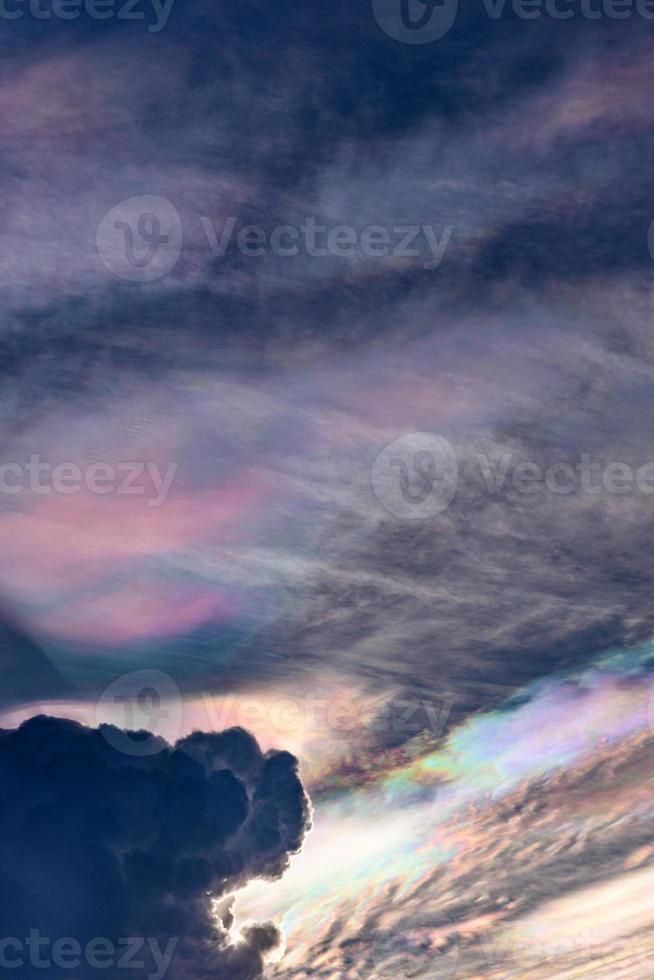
[
  {"x": 26, "y": 671},
  {"x": 96, "y": 844}
]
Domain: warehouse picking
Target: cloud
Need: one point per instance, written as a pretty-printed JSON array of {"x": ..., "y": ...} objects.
[
  {"x": 26, "y": 671},
  {"x": 95, "y": 842},
  {"x": 525, "y": 826}
]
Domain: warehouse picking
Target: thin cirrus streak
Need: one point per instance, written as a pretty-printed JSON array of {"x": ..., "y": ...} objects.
[
  {"x": 74, "y": 579},
  {"x": 484, "y": 843}
]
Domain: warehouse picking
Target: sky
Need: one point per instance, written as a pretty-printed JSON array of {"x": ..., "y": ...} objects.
[{"x": 327, "y": 367}]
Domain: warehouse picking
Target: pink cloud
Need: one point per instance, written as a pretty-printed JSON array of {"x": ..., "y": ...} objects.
[
  {"x": 614, "y": 92},
  {"x": 61, "y": 547},
  {"x": 142, "y": 610},
  {"x": 60, "y": 534}
]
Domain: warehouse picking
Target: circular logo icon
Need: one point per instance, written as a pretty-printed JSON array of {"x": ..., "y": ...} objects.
[
  {"x": 140, "y": 239},
  {"x": 650, "y": 712},
  {"x": 416, "y": 953},
  {"x": 415, "y": 477},
  {"x": 139, "y": 709},
  {"x": 415, "y": 21},
  {"x": 650, "y": 239}
]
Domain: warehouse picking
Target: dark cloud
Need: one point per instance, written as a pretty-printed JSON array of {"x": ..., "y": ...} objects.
[
  {"x": 27, "y": 674},
  {"x": 98, "y": 843}
]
